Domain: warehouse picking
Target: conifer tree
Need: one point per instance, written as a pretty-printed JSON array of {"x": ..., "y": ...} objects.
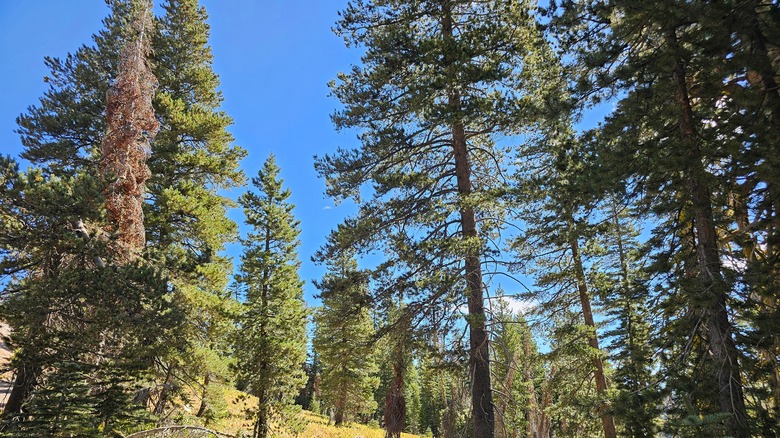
[
  {"x": 625, "y": 293},
  {"x": 515, "y": 359},
  {"x": 87, "y": 322},
  {"x": 668, "y": 59},
  {"x": 431, "y": 397},
  {"x": 412, "y": 396},
  {"x": 270, "y": 343},
  {"x": 558, "y": 205},
  {"x": 438, "y": 81},
  {"x": 191, "y": 159},
  {"x": 395, "y": 356},
  {"x": 343, "y": 339}
]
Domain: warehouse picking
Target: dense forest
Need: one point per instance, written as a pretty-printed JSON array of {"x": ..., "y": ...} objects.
[{"x": 508, "y": 271}]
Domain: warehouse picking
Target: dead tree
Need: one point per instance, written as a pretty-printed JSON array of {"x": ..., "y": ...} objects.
[{"x": 126, "y": 146}]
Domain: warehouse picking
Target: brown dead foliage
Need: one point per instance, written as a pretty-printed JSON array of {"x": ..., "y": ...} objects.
[{"x": 127, "y": 144}]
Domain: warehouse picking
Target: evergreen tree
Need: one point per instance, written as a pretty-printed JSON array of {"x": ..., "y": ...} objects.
[
  {"x": 672, "y": 64},
  {"x": 185, "y": 218},
  {"x": 343, "y": 339},
  {"x": 88, "y": 321},
  {"x": 558, "y": 246},
  {"x": 412, "y": 394},
  {"x": 395, "y": 357},
  {"x": 193, "y": 159},
  {"x": 431, "y": 397},
  {"x": 309, "y": 395},
  {"x": 515, "y": 359},
  {"x": 625, "y": 292},
  {"x": 567, "y": 397},
  {"x": 438, "y": 81},
  {"x": 270, "y": 343}
]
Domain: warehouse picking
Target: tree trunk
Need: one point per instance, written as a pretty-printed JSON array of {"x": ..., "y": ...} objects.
[
  {"x": 26, "y": 377},
  {"x": 607, "y": 421},
  {"x": 720, "y": 342},
  {"x": 479, "y": 355},
  {"x": 448, "y": 419},
  {"x": 203, "y": 401},
  {"x": 162, "y": 401},
  {"x": 261, "y": 425},
  {"x": 395, "y": 404},
  {"x": 338, "y": 417}
]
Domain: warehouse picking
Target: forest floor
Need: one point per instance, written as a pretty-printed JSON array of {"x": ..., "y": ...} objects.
[
  {"x": 315, "y": 425},
  {"x": 237, "y": 402}
]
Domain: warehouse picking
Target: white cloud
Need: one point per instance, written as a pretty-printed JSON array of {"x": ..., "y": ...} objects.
[{"x": 520, "y": 306}]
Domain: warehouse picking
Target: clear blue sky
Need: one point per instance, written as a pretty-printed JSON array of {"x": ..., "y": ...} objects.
[{"x": 274, "y": 59}]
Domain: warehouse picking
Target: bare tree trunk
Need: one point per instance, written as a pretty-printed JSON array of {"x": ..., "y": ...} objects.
[
  {"x": 720, "y": 342},
  {"x": 162, "y": 400},
  {"x": 338, "y": 417},
  {"x": 607, "y": 420}
]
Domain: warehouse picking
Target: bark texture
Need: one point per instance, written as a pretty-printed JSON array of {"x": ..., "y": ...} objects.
[
  {"x": 720, "y": 342},
  {"x": 395, "y": 404},
  {"x": 482, "y": 411},
  {"x": 607, "y": 420}
]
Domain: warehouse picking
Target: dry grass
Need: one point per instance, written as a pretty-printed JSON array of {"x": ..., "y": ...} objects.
[{"x": 317, "y": 426}]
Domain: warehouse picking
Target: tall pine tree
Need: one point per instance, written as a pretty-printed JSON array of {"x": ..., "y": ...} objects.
[
  {"x": 192, "y": 158},
  {"x": 88, "y": 321},
  {"x": 438, "y": 82},
  {"x": 270, "y": 343}
]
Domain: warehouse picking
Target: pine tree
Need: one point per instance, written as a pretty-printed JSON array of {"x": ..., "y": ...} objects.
[
  {"x": 62, "y": 135},
  {"x": 343, "y": 340},
  {"x": 567, "y": 397},
  {"x": 193, "y": 159},
  {"x": 412, "y": 395},
  {"x": 270, "y": 343},
  {"x": 668, "y": 62},
  {"x": 515, "y": 358},
  {"x": 625, "y": 293},
  {"x": 557, "y": 245},
  {"x": 88, "y": 321},
  {"x": 309, "y": 397},
  {"x": 438, "y": 81},
  {"x": 431, "y": 398},
  {"x": 395, "y": 356}
]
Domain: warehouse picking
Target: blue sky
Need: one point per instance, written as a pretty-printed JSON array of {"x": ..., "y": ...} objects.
[{"x": 274, "y": 59}]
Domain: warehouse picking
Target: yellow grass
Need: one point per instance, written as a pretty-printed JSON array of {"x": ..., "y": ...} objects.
[{"x": 317, "y": 426}]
